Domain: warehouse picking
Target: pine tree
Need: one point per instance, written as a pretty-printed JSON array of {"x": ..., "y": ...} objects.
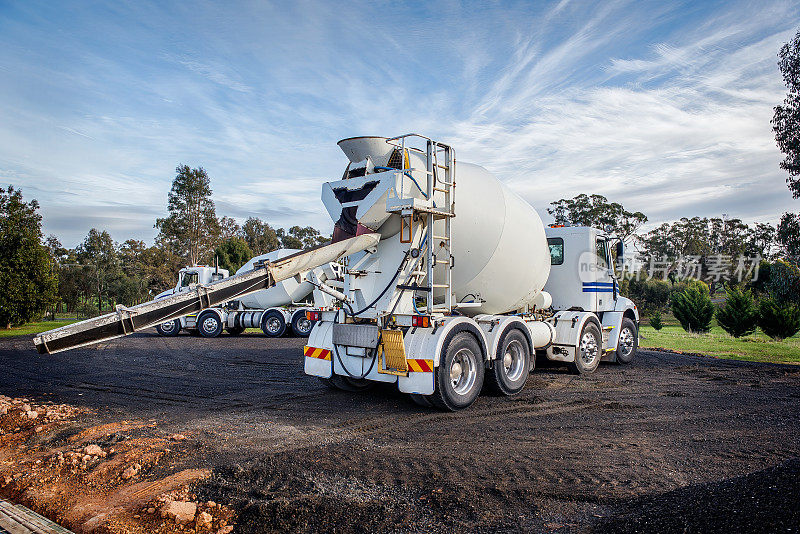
[
  {"x": 739, "y": 315},
  {"x": 655, "y": 321},
  {"x": 692, "y": 307},
  {"x": 778, "y": 320}
]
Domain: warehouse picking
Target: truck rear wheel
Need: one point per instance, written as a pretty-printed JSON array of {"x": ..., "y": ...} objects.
[
  {"x": 589, "y": 350},
  {"x": 459, "y": 377},
  {"x": 301, "y": 326},
  {"x": 209, "y": 324},
  {"x": 512, "y": 365},
  {"x": 628, "y": 341},
  {"x": 273, "y": 324},
  {"x": 169, "y": 329}
]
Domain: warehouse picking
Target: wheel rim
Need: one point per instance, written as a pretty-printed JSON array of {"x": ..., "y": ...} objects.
[
  {"x": 514, "y": 360},
  {"x": 304, "y": 325},
  {"x": 168, "y": 327},
  {"x": 463, "y": 371},
  {"x": 626, "y": 341},
  {"x": 209, "y": 325},
  {"x": 589, "y": 348},
  {"x": 273, "y": 325}
]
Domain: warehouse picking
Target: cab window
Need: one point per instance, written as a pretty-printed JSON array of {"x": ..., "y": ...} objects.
[
  {"x": 189, "y": 279},
  {"x": 602, "y": 256},
  {"x": 556, "y": 245}
]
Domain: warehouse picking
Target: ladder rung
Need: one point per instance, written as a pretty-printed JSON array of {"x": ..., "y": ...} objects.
[
  {"x": 418, "y": 273},
  {"x": 440, "y": 285},
  {"x": 443, "y": 238},
  {"x": 443, "y": 190},
  {"x": 442, "y": 262}
]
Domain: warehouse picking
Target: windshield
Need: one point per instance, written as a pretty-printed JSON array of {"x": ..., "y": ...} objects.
[{"x": 189, "y": 278}]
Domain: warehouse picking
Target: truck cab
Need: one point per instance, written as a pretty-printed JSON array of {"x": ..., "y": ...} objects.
[
  {"x": 581, "y": 269},
  {"x": 188, "y": 277},
  {"x": 199, "y": 274},
  {"x": 583, "y": 281}
]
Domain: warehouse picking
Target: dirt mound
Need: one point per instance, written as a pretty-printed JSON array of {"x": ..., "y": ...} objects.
[{"x": 116, "y": 477}]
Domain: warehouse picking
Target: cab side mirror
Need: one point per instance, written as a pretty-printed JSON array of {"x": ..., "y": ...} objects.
[{"x": 620, "y": 250}]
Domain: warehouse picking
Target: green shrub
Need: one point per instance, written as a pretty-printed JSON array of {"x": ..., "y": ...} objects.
[
  {"x": 655, "y": 321},
  {"x": 649, "y": 295},
  {"x": 692, "y": 307},
  {"x": 739, "y": 315},
  {"x": 778, "y": 320}
]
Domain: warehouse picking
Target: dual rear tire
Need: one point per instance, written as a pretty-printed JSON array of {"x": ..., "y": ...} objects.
[
  {"x": 512, "y": 366},
  {"x": 273, "y": 324},
  {"x": 459, "y": 376}
]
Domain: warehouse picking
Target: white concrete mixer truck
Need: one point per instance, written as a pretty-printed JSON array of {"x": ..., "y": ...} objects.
[
  {"x": 438, "y": 296},
  {"x": 458, "y": 292},
  {"x": 279, "y": 310}
]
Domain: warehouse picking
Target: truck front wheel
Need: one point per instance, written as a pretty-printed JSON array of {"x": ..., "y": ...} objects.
[
  {"x": 512, "y": 365},
  {"x": 628, "y": 341},
  {"x": 459, "y": 377},
  {"x": 273, "y": 324},
  {"x": 589, "y": 350},
  {"x": 169, "y": 329}
]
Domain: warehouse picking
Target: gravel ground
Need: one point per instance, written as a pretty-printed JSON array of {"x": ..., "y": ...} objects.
[{"x": 671, "y": 443}]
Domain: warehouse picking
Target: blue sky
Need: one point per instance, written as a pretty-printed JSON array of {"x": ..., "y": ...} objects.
[{"x": 663, "y": 106}]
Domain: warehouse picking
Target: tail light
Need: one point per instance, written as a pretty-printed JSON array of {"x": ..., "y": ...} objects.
[
  {"x": 312, "y": 315},
  {"x": 422, "y": 321}
]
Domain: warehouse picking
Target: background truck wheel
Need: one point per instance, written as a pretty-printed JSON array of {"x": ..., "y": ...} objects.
[
  {"x": 421, "y": 400},
  {"x": 170, "y": 328},
  {"x": 628, "y": 341},
  {"x": 590, "y": 350},
  {"x": 235, "y": 331},
  {"x": 300, "y": 325},
  {"x": 512, "y": 366},
  {"x": 459, "y": 377},
  {"x": 273, "y": 324},
  {"x": 345, "y": 383},
  {"x": 209, "y": 324}
]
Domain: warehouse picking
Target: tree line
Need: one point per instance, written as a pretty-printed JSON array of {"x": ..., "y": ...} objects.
[{"x": 39, "y": 274}]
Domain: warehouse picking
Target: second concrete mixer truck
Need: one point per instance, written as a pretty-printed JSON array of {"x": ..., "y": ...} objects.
[
  {"x": 441, "y": 292},
  {"x": 279, "y": 310}
]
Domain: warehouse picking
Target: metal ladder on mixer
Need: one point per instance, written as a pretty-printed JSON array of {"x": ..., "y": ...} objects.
[{"x": 440, "y": 185}]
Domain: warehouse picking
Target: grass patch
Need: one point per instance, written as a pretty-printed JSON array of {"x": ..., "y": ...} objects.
[
  {"x": 34, "y": 328},
  {"x": 757, "y": 347}
]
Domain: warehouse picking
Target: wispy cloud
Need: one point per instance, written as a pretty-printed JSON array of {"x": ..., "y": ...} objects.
[{"x": 662, "y": 106}]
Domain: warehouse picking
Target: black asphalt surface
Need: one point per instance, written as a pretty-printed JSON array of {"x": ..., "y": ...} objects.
[{"x": 669, "y": 443}]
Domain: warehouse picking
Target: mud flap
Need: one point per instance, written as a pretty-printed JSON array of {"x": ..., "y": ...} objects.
[
  {"x": 419, "y": 379},
  {"x": 317, "y": 354}
]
